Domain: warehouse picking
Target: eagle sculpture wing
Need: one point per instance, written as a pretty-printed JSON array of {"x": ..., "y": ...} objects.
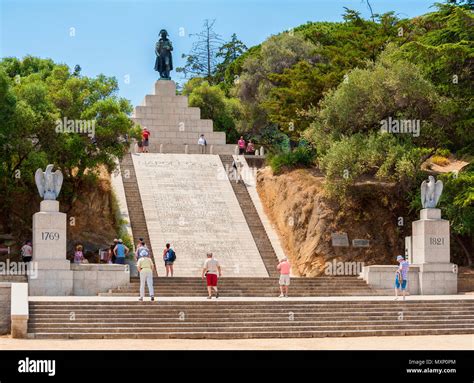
[
  {"x": 437, "y": 192},
  {"x": 424, "y": 191},
  {"x": 58, "y": 181},
  {"x": 39, "y": 179}
]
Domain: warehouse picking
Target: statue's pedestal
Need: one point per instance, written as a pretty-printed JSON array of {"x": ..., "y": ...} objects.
[
  {"x": 54, "y": 275},
  {"x": 430, "y": 249},
  {"x": 431, "y": 272}
]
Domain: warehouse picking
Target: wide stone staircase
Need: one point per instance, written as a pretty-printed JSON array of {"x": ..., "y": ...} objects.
[
  {"x": 134, "y": 202},
  {"x": 248, "y": 319},
  {"x": 259, "y": 234},
  {"x": 253, "y": 287}
]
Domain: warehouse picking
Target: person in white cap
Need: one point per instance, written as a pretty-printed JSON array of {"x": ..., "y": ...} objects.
[
  {"x": 401, "y": 277},
  {"x": 284, "y": 267},
  {"x": 210, "y": 270}
]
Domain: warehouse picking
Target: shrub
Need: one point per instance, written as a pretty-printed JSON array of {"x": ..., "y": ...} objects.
[
  {"x": 301, "y": 156},
  {"x": 439, "y": 160}
]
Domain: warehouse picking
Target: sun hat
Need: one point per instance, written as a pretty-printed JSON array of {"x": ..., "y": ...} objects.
[{"x": 400, "y": 258}]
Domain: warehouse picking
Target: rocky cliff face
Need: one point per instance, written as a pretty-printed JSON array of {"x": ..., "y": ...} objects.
[
  {"x": 93, "y": 216},
  {"x": 305, "y": 218},
  {"x": 91, "y": 220}
]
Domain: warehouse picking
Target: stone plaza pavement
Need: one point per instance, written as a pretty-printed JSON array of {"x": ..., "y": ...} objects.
[{"x": 427, "y": 342}]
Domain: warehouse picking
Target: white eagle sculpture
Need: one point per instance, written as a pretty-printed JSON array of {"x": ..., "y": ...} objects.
[
  {"x": 431, "y": 192},
  {"x": 49, "y": 183}
]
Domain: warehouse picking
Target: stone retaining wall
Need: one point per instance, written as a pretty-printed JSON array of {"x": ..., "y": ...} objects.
[
  {"x": 91, "y": 279},
  {"x": 5, "y": 307}
]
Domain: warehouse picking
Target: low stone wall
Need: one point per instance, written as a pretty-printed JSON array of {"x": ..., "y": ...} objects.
[
  {"x": 91, "y": 279},
  {"x": 383, "y": 277},
  {"x": 465, "y": 282},
  {"x": 5, "y": 308}
]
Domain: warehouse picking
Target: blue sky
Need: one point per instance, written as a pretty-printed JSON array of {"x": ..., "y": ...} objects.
[{"x": 117, "y": 37}]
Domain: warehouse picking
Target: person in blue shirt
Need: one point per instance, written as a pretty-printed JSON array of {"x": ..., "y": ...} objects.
[{"x": 120, "y": 251}]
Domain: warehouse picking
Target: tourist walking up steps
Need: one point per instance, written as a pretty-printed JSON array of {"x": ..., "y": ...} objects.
[
  {"x": 146, "y": 140},
  {"x": 401, "y": 277},
  {"x": 120, "y": 252},
  {"x": 145, "y": 268},
  {"x": 210, "y": 270},
  {"x": 284, "y": 267},
  {"x": 237, "y": 165},
  {"x": 169, "y": 256},
  {"x": 202, "y": 142},
  {"x": 142, "y": 250}
]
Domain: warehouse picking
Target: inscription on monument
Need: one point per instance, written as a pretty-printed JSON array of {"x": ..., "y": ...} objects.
[
  {"x": 339, "y": 240},
  {"x": 437, "y": 241},
  {"x": 360, "y": 243},
  {"x": 50, "y": 236},
  {"x": 187, "y": 205}
]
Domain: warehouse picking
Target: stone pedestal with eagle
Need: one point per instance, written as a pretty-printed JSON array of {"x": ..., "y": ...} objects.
[
  {"x": 54, "y": 277},
  {"x": 430, "y": 244}
]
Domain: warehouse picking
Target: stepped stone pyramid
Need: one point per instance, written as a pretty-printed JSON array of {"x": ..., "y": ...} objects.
[{"x": 174, "y": 124}]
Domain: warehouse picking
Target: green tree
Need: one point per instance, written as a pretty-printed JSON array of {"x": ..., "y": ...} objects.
[
  {"x": 389, "y": 88},
  {"x": 214, "y": 105},
  {"x": 227, "y": 54},
  {"x": 457, "y": 203},
  {"x": 37, "y": 94}
]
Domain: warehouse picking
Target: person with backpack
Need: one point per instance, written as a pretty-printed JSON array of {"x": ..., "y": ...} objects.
[
  {"x": 145, "y": 268},
  {"x": 142, "y": 250},
  {"x": 169, "y": 256}
]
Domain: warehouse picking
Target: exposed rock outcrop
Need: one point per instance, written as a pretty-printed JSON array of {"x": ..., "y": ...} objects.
[{"x": 305, "y": 218}]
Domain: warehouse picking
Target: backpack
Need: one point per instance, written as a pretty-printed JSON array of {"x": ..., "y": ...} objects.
[
  {"x": 171, "y": 255},
  {"x": 143, "y": 252}
]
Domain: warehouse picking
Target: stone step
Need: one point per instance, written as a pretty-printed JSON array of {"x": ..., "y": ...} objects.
[
  {"x": 249, "y": 334},
  {"x": 348, "y": 312},
  {"x": 248, "y": 319},
  {"x": 191, "y": 321},
  {"x": 253, "y": 221},
  {"x": 261, "y": 326},
  {"x": 134, "y": 203}
]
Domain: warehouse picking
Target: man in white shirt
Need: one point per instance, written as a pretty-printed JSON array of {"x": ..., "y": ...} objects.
[
  {"x": 237, "y": 165},
  {"x": 202, "y": 144},
  {"x": 210, "y": 269}
]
